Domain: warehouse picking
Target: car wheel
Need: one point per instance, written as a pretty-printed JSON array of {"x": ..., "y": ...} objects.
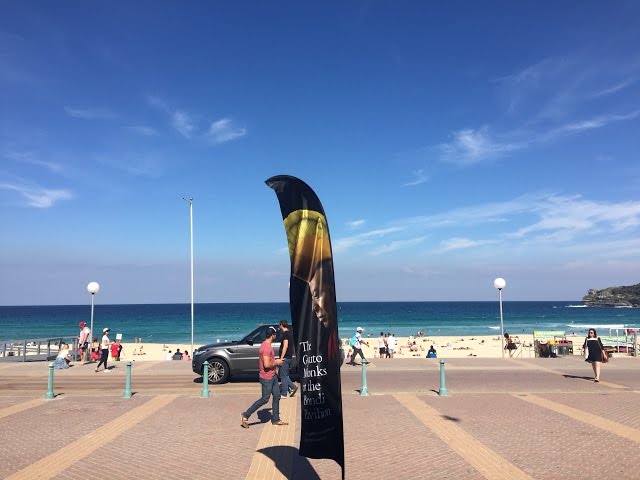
[{"x": 218, "y": 370}]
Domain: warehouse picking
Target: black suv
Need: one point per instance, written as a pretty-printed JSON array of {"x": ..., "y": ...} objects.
[{"x": 235, "y": 358}]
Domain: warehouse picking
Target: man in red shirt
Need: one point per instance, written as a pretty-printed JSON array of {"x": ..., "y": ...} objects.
[{"x": 267, "y": 363}]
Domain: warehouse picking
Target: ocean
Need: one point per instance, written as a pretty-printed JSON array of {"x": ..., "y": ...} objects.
[{"x": 171, "y": 323}]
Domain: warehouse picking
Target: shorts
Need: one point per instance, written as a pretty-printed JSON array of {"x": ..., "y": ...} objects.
[
  {"x": 390, "y": 351},
  {"x": 84, "y": 347},
  {"x": 383, "y": 350}
]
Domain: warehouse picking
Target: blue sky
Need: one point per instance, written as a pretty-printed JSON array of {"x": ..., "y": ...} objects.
[{"x": 450, "y": 143}]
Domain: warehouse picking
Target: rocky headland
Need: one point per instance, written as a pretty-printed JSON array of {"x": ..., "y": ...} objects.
[{"x": 613, "y": 297}]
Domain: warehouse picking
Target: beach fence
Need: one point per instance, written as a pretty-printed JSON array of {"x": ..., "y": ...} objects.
[
  {"x": 32, "y": 350},
  {"x": 621, "y": 340}
]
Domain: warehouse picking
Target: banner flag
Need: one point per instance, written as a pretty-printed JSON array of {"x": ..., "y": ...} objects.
[{"x": 314, "y": 316}]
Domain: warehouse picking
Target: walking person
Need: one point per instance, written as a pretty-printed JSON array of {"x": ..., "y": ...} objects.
[
  {"x": 104, "y": 347},
  {"x": 267, "y": 364},
  {"x": 594, "y": 352},
  {"x": 391, "y": 345},
  {"x": 356, "y": 344},
  {"x": 382, "y": 345},
  {"x": 287, "y": 349},
  {"x": 83, "y": 341}
]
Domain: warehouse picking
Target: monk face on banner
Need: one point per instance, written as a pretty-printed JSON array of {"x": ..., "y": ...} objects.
[{"x": 322, "y": 293}]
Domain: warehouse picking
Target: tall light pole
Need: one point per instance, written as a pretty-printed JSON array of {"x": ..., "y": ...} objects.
[
  {"x": 190, "y": 200},
  {"x": 92, "y": 288},
  {"x": 500, "y": 283}
]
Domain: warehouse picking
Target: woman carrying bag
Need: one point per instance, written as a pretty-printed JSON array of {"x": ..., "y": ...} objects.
[{"x": 594, "y": 352}]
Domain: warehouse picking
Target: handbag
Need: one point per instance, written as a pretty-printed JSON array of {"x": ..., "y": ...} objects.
[
  {"x": 605, "y": 357},
  {"x": 586, "y": 351}
]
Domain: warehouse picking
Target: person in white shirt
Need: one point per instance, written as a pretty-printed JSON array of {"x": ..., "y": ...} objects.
[
  {"x": 104, "y": 347},
  {"x": 391, "y": 344},
  {"x": 83, "y": 340},
  {"x": 168, "y": 355},
  {"x": 64, "y": 358}
]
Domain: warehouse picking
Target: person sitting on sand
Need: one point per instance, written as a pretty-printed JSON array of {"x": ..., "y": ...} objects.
[
  {"x": 168, "y": 356},
  {"x": 177, "y": 355},
  {"x": 63, "y": 359},
  {"x": 432, "y": 353},
  {"x": 185, "y": 355}
]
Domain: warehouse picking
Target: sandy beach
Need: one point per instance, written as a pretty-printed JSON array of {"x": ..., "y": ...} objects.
[{"x": 446, "y": 346}]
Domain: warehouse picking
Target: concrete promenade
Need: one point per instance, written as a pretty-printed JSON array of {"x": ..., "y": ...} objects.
[{"x": 503, "y": 419}]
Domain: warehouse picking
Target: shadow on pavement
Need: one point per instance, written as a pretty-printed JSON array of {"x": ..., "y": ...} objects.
[
  {"x": 451, "y": 419},
  {"x": 580, "y": 377},
  {"x": 301, "y": 467}
]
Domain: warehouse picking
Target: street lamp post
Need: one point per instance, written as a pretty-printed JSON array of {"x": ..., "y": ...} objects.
[
  {"x": 92, "y": 288},
  {"x": 191, "y": 249},
  {"x": 500, "y": 283}
]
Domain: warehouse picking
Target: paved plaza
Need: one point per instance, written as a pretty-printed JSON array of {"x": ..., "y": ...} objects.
[{"x": 502, "y": 419}]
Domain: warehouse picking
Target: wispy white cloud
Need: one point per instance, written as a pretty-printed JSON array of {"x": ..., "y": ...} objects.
[
  {"x": 134, "y": 163},
  {"x": 90, "y": 113},
  {"x": 356, "y": 224},
  {"x": 189, "y": 125},
  {"x": 457, "y": 243},
  {"x": 142, "y": 130},
  {"x": 362, "y": 239},
  {"x": 183, "y": 123},
  {"x": 592, "y": 123},
  {"x": 419, "y": 177},
  {"x": 614, "y": 88},
  {"x": 397, "y": 245},
  {"x": 223, "y": 130},
  {"x": 32, "y": 159},
  {"x": 469, "y": 147},
  {"x": 157, "y": 103},
  {"x": 547, "y": 101},
  {"x": 38, "y": 197}
]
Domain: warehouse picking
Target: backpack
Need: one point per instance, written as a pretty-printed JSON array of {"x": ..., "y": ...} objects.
[{"x": 353, "y": 342}]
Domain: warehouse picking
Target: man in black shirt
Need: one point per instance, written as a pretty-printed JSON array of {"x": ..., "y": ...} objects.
[{"x": 287, "y": 348}]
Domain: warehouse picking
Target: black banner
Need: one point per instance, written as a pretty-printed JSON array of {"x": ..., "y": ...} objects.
[{"x": 314, "y": 316}]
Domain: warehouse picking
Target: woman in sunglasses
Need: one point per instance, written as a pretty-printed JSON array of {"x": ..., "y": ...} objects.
[{"x": 594, "y": 352}]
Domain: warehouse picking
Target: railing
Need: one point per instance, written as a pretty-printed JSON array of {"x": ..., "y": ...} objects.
[{"x": 34, "y": 349}]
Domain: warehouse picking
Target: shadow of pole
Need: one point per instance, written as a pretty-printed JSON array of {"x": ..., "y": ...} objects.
[{"x": 289, "y": 463}]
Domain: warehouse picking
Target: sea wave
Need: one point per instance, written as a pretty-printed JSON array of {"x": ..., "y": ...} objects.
[
  {"x": 575, "y": 325},
  {"x": 494, "y": 328},
  {"x": 575, "y": 306}
]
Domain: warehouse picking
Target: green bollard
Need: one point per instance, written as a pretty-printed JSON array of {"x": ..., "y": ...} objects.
[
  {"x": 127, "y": 382},
  {"x": 205, "y": 381},
  {"x": 364, "y": 392},
  {"x": 443, "y": 387},
  {"x": 49, "y": 395}
]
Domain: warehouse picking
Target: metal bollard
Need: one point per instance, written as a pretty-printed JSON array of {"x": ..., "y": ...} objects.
[
  {"x": 205, "y": 381},
  {"x": 364, "y": 392},
  {"x": 443, "y": 387},
  {"x": 127, "y": 382},
  {"x": 49, "y": 395}
]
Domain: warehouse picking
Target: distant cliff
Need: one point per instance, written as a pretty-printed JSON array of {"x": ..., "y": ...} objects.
[{"x": 613, "y": 297}]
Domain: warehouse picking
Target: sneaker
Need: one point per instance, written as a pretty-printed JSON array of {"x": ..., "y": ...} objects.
[
  {"x": 96, "y": 370},
  {"x": 279, "y": 423},
  {"x": 106, "y": 371},
  {"x": 293, "y": 392}
]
